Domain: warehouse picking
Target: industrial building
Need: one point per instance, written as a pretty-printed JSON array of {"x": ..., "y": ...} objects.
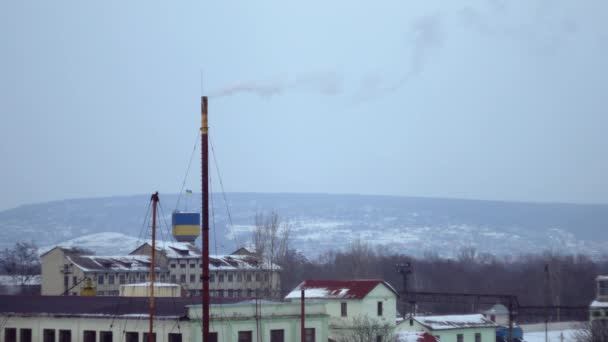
[
  {"x": 65, "y": 270},
  {"x": 239, "y": 274},
  {"x": 114, "y": 319},
  {"x": 598, "y": 310},
  {"x": 452, "y": 328}
]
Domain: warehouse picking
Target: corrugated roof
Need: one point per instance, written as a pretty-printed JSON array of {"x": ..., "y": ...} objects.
[
  {"x": 337, "y": 289},
  {"x": 455, "y": 322},
  {"x": 96, "y": 263},
  {"x": 99, "y": 306}
]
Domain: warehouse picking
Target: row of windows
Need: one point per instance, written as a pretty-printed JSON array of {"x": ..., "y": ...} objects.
[
  {"x": 48, "y": 335},
  {"x": 277, "y": 335},
  {"x": 460, "y": 337},
  {"x": 137, "y": 277}
]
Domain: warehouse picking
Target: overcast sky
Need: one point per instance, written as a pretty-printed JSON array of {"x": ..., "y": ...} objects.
[{"x": 483, "y": 99}]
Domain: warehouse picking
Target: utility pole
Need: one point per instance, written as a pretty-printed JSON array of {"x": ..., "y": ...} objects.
[
  {"x": 154, "y": 200},
  {"x": 406, "y": 270},
  {"x": 303, "y": 317},
  {"x": 205, "y": 223}
]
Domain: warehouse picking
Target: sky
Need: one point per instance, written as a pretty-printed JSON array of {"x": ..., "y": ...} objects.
[{"x": 484, "y": 99}]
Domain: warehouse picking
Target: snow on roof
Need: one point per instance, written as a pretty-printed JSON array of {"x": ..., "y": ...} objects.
[
  {"x": 414, "y": 336},
  {"x": 455, "y": 322},
  {"x": 337, "y": 289},
  {"x": 598, "y": 304},
  {"x": 89, "y": 263},
  {"x": 239, "y": 262},
  {"x": 147, "y": 284},
  {"x": 602, "y": 277}
]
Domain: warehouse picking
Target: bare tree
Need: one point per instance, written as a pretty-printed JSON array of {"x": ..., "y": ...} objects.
[
  {"x": 20, "y": 262},
  {"x": 596, "y": 331},
  {"x": 271, "y": 239},
  {"x": 365, "y": 329}
]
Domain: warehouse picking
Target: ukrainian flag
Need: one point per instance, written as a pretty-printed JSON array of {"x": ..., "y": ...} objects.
[{"x": 186, "y": 226}]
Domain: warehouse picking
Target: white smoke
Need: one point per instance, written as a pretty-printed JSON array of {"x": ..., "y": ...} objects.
[{"x": 324, "y": 83}]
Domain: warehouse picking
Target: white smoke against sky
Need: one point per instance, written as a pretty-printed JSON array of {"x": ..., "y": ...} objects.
[
  {"x": 425, "y": 35},
  {"x": 323, "y": 83}
]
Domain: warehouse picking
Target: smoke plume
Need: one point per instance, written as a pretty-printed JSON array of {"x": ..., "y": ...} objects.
[{"x": 328, "y": 84}]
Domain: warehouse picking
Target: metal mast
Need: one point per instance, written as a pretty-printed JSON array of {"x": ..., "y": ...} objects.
[
  {"x": 205, "y": 223},
  {"x": 154, "y": 200}
]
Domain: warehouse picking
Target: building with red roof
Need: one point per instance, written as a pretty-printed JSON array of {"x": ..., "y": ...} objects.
[{"x": 351, "y": 303}]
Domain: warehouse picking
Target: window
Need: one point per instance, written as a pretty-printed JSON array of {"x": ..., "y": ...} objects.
[
  {"x": 411, "y": 322},
  {"x": 477, "y": 337},
  {"x": 459, "y": 338},
  {"x": 66, "y": 280},
  {"x": 162, "y": 277},
  {"x": 248, "y": 276},
  {"x": 88, "y": 336},
  {"x": 105, "y": 336},
  {"x": 249, "y": 293},
  {"x": 277, "y": 335},
  {"x": 132, "y": 336},
  {"x": 48, "y": 335},
  {"x": 258, "y": 277},
  {"x": 193, "y": 278},
  {"x": 174, "y": 337},
  {"x": 309, "y": 335},
  {"x": 378, "y": 338},
  {"x": 245, "y": 336},
  {"x": 230, "y": 277},
  {"x": 343, "y": 309},
  {"x": 100, "y": 279},
  {"x": 111, "y": 279},
  {"x": 65, "y": 335},
  {"x": 121, "y": 279},
  {"x": 239, "y": 277},
  {"x": 182, "y": 278},
  {"x": 192, "y": 265},
  {"x": 172, "y": 265},
  {"x": 173, "y": 278},
  {"x": 10, "y": 334},
  {"x": 142, "y": 278},
  {"x": 221, "y": 278},
  {"x": 230, "y": 293},
  {"x": 603, "y": 288},
  {"x": 379, "y": 308},
  {"x": 146, "y": 337},
  {"x": 211, "y": 278},
  {"x": 25, "y": 335},
  {"x": 182, "y": 265},
  {"x": 220, "y": 293},
  {"x": 74, "y": 280}
]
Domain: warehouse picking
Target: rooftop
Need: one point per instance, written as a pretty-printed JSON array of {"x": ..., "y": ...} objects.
[
  {"x": 90, "y": 263},
  {"x": 337, "y": 289},
  {"x": 414, "y": 336},
  {"x": 68, "y": 306},
  {"x": 454, "y": 322}
]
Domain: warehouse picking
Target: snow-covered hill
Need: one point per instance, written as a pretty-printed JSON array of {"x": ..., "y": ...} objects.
[{"x": 322, "y": 222}]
